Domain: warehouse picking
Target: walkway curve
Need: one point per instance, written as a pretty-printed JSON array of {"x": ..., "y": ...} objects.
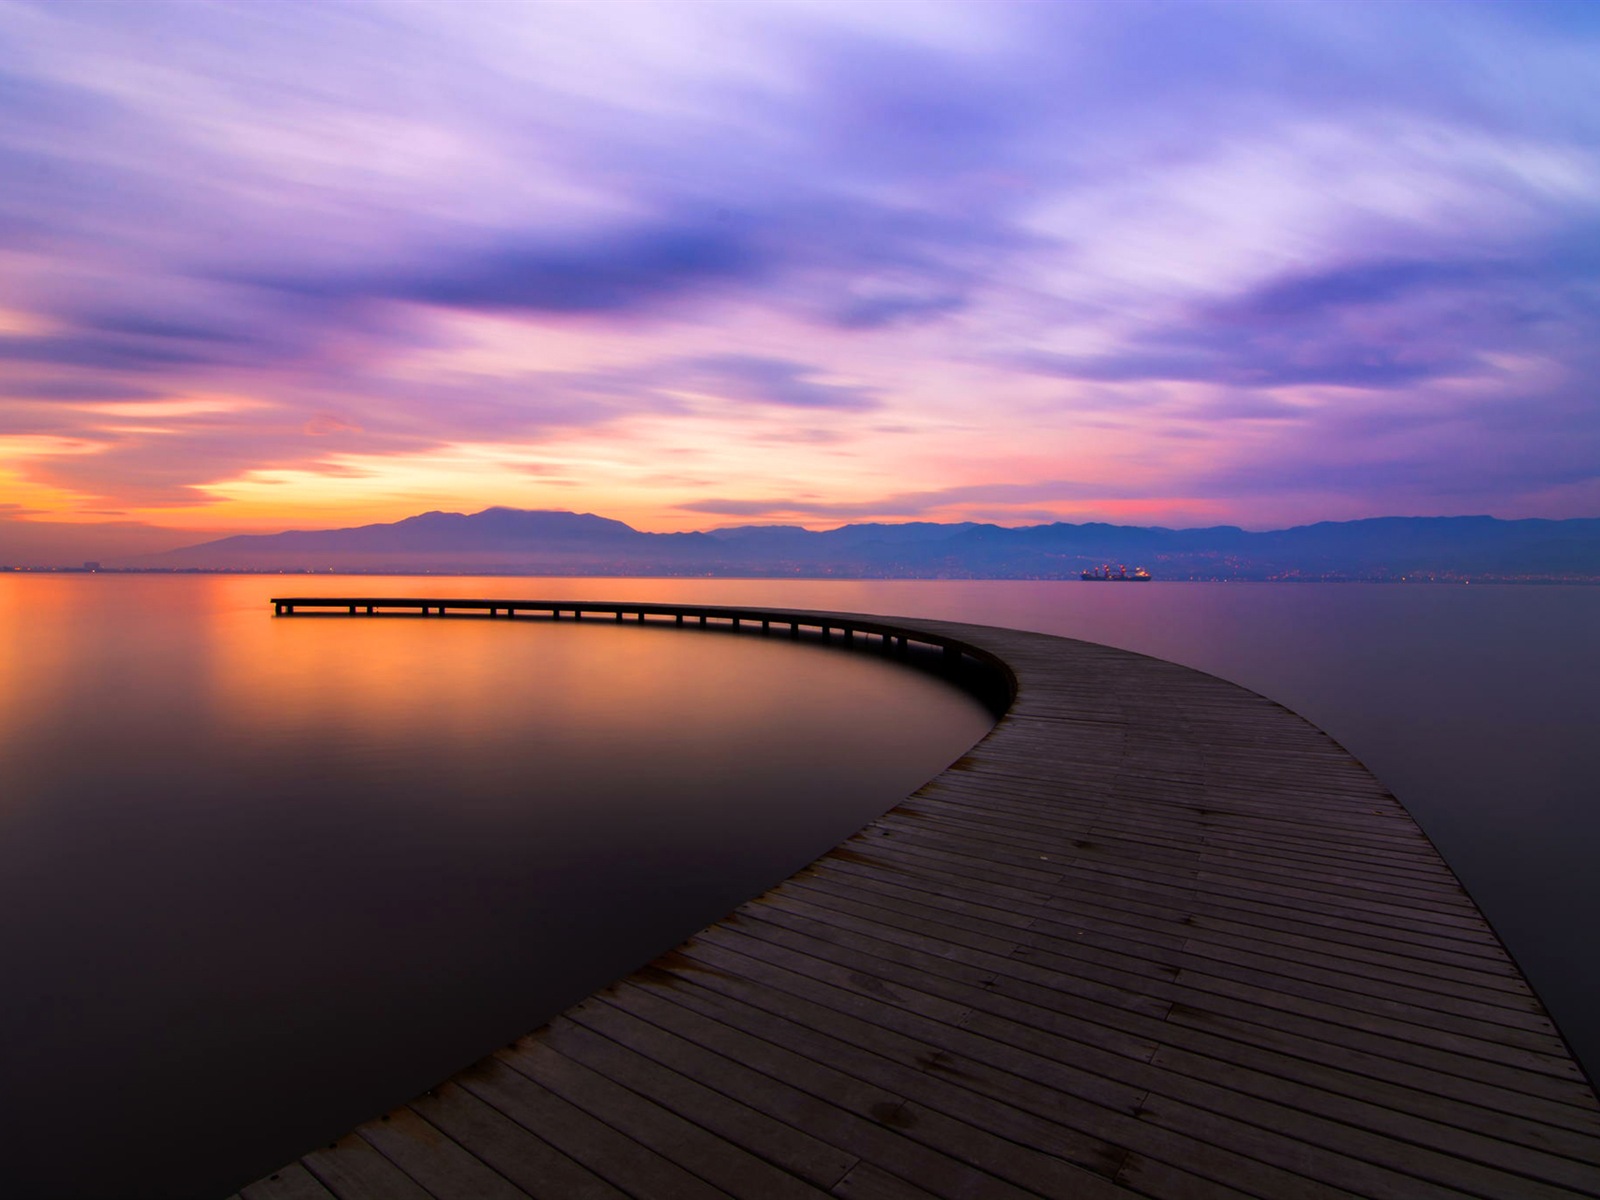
[{"x": 1154, "y": 935}]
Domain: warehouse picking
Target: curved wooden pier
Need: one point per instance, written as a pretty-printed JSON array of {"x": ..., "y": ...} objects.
[{"x": 1154, "y": 935}]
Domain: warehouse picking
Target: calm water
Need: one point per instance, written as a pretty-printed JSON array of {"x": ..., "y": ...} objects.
[{"x": 259, "y": 878}]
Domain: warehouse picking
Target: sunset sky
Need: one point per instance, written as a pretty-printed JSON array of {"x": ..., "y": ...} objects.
[{"x": 301, "y": 265}]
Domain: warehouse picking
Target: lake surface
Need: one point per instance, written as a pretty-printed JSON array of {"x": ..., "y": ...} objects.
[
  {"x": 260, "y": 878},
  {"x": 242, "y": 859}
]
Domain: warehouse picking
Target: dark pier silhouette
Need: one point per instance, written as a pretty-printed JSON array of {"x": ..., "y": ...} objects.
[
  {"x": 888, "y": 634},
  {"x": 1154, "y": 935}
]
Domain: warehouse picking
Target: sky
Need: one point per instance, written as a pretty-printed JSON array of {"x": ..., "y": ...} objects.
[{"x": 306, "y": 265}]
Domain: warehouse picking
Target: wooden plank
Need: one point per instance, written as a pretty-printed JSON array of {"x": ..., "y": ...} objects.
[
  {"x": 845, "y": 1039},
  {"x": 1061, "y": 1064},
  {"x": 610, "y": 1052},
  {"x": 1090, "y": 962},
  {"x": 1089, "y": 1015},
  {"x": 1308, "y": 887},
  {"x": 960, "y": 1138},
  {"x": 731, "y": 1046},
  {"x": 1470, "y": 930},
  {"x": 352, "y": 1170},
  {"x": 292, "y": 1182},
  {"x": 1174, "y": 932},
  {"x": 1043, "y": 807},
  {"x": 719, "y": 1162},
  {"x": 1198, "y": 988},
  {"x": 1327, "y": 1090},
  {"x": 517, "y": 1153},
  {"x": 1023, "y": 1036},
  {"x": 594, "y": 1144},
  {"x": 965, "y": 1091},
  {"x": 1073, "y": 909},
  {"x": 1151, "y": 1177},
  {"x": 982, "y": 814},
  {"x": 1554, "y": 1106},
  {"x": 436, "y": 1161},
  {"x": 1253, "y": 907}
]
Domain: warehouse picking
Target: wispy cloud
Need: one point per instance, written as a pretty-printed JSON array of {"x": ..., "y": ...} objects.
[
  {"x": 1348, "y": 250},
  {"x": 909, "y": 504},
  {"x": 745, "y": 377}
]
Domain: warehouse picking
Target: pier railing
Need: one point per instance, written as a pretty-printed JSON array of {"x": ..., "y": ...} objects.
[{"x": 985, "y": 673}]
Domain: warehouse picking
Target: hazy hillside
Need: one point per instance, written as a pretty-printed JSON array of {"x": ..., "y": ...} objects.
[{"x": 514, "y": 541}]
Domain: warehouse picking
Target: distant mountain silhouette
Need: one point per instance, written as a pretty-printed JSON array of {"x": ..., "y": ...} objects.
[
  {"x": 494, "y": 540},
  {"x": 516, "y": 541}
]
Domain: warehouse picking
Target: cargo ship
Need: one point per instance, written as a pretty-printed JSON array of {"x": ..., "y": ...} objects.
[{"x": 1120, "y": 575}]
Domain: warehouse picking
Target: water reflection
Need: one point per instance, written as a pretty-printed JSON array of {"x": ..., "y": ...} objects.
[{"x": 260, "y": 877}]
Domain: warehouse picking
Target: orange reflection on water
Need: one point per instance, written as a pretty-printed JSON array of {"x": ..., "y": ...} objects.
[
  {"x": 152, "y": 653},
  {"x": 242, "y": 851}
]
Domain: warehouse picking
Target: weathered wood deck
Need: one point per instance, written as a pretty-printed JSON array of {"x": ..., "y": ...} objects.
[{"x": 1154, "y": 935}]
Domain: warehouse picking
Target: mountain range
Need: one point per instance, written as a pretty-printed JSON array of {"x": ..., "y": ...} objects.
[{"x": 541, "y": 542}]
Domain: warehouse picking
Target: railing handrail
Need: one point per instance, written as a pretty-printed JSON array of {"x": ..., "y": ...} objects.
[{"x": 890, "y": 630}]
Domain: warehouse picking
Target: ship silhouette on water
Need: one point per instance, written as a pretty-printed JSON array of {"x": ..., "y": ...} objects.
[{"x": 1120, "y": 575}]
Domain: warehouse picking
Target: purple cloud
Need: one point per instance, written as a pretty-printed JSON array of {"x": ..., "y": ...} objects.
[
  {"x": 1142, "y": 222},
  {"x": 878, "y": 312},
  {"x": 907, "y": 504},
  {"x": 616, "y": 272},
  {"x": 1246, "y": 361},
  {"x": 1385, "y": 324},
  {"x": 776, "y": 381}
]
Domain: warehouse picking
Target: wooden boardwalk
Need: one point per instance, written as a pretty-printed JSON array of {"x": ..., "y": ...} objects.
[{"x": 1154, "y": 935}]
